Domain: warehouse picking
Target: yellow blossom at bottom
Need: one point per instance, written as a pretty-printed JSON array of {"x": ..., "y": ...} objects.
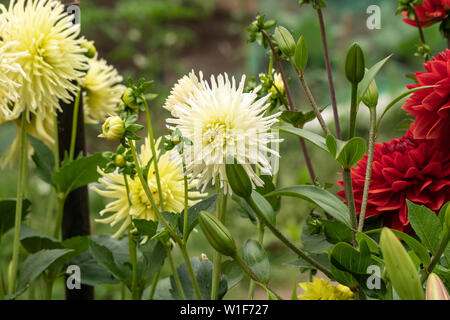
[{"x": 320, "y": 289}]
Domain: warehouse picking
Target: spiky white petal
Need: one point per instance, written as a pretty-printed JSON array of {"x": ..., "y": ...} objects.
[
  {"x": 102, "y": 91},
  {"x": 182, "y": 90},
  {"x": 172, "y": 184},
  {"x": 223, "y": 123},
  {"x": 55, "y": 60}
]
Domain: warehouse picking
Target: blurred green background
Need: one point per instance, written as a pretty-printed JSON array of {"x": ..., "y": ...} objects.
[{"x": 162, "y": 40}]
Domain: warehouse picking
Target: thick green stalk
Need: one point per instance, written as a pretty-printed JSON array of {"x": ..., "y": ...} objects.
[
  {"x": 174, "y": 273},
  {"x": 154, "y": 284},
  {"x": 48, "y": 289},
  {"x": 221, "y": 213},
  {"x": 362, "y": 214},
  {"x": 251, "y": 289},
  {"x": 155, "y": 158},
  {"x": 73, "y": 137},
  {"x": 133, "y": 260},
  {"x": 19, "y": 201},
  {"x": 353, "y": 111},
  {"x": 191, "y": 272},
  {"x": 347, "y": 175},
  {"x": 277, "y": 233},
  {"x": 252, "y": 275}
]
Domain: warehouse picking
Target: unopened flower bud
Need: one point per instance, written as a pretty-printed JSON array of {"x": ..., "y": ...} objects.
[
  {"x": 119, "y": 160},
  {"x": 354, "y": 64},
  {"x": 90, "y": 49},
  {"x": 285, "y": 41},
  {"x": 370, "y": 98},
  {"x": 217, "y": 234},
  {"x": 113, "y": 128},
  {"x": 436, "y": 289},
  {"x": 278, "y": 84},
  {"x": 239, "y": 180},
  {"x": 400, "y": 267},
  {"x": 129, "y": 100}
]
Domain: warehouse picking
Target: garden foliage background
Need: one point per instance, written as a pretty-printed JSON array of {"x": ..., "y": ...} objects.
[{"x": 164, "y": 39}]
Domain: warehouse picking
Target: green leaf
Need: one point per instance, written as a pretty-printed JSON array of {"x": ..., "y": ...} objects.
[
  {"x": 301, "y": 54},
  {"x": 34, "y": 240},
  {"x": 426, "y": 225},
  {"x": 335, "y": 231},
  {"x": 145, "y": 227},
  {"x": 260, "y": 204},
  {"x": 312, "y": 137},
  {"x": 203, "y": 273},
  {"x": 369, "y": 76},
  {"x": 256, "y": 258},
  {"x": 92, "y": 273},
  {"x": 371, "y": 243},
  {"x": 37, "y": 263},
  {"x": 78, "y": 173},
  {"x": 322, "y": 258},
  {"x": 442, "y": 213},
  {"x": 233, "y": 273},
  {"x": 329, "y": 202},
  {"x": 154, "y": 254},
  {"x": 208, "y": 205},
  {"x": 8, "y": 213},
  {"x": 347, "y": 153},
  {"x": 104, "y": 256},
  {"x": 44, "y": 159},
  {"x": 314, "y": 243},
  {"x": 268, "y": 187}
]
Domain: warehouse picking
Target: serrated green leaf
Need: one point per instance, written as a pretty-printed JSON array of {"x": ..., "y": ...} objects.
[
  {"x": 44, "y": 159},
  {"x": 208, "y": 205},
  {"x": 33, "y": 240},
  {"x": 257, "y": 259},
  {"x": 8, "y": 213},
  {"x": 426, "y": 225}
]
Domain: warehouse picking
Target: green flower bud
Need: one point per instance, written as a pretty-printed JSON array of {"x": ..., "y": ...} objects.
[
  {"x": 370, "y": 98},
  {"x": 90, "y": 49},
  {"x": 239, "y": 180},
  {"x": 354, "y": 64},
  {"x": 400, "y": 267},
  {"x": 301, "y": 54},
  {"x": 285, "y": 41},
  {"x": 436, "y": 289},
  {"x": 217, "y": 234},
  {"x": 119, "y": 160},
  {"x": 129, "y": 99},
  {"x": 113, "y": 128}
]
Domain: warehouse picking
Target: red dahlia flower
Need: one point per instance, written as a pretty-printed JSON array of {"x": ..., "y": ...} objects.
[
  {"x": 431, "y": 106},
  {"x": 403, "y": 169},
  {"x": 430, "y": 12}
]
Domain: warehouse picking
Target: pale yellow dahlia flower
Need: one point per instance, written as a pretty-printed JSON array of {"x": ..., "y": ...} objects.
[
  {"x": 102, "y": 91},
  {"x": 182, "y": 90},
  {"x": 224, "y": 123},
  {"x": 44, "y": 30},
  {"x": 320, "y": 289},
  {"x": 172, "y": 185}
]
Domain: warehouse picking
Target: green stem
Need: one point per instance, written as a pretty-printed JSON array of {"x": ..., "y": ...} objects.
[
  {"x": 251, "y": 289},
  {"x": 186, "y": 202},
  {"x": 191, "y": 272},
  {"x": 59, "y": 216},
  {"x": 365, "y": 197},
  {"x": 18, "y": 214},
  {"x": 148, "y": 193},
  {"x": 221, "y": 213},
  {"x": 73, "y": 137},
  {"x": 435, "y": 259},
  {"x": 286, "y": 241},
  {"x": 155, "y": 160},
  {"x": 353, "y": 111},
  {"x": 174, "y": 272},
  {"x": 347, "y": 175},
  {"x": 133, "y": 259},
  {"x": 252, "y": 275},
  {"x": 48, "y": 289},
  {"x": 122, "y": 292},
  {"x": 154, "y": 284}
]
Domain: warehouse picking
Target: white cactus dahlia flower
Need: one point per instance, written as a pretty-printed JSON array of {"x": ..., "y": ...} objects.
[
  {"x": 44, "y": 30},
  {"x": 224, "y": 123}
]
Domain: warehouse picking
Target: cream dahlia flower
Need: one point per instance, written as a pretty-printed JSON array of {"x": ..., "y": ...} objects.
[
  {"x": 102, "y": 91},
  {"x": 172, "y": 185},
  {"x": 44, "y": 30},
  {"x": 182, "y": 90},
  {"x": 224, "y": 123}
]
